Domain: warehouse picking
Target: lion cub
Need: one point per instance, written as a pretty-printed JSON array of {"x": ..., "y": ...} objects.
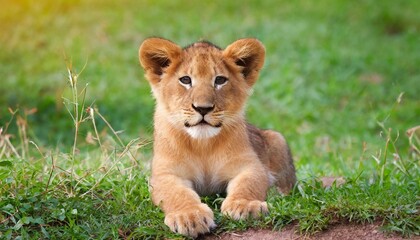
[{"x": 202, "y": 143}]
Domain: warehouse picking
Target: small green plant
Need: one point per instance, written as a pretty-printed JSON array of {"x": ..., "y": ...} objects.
[{"x": 66, "y": 190}]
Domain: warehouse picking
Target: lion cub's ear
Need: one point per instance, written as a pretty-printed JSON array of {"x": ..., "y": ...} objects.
[
  {"x": 156, "y": 54},
  {"x": 248, "y": 53}
]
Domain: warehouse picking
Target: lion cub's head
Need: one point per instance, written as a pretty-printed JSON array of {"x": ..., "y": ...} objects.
[{"x": 201, "y": 88}]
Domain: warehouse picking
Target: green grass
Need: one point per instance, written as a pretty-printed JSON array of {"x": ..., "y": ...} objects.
[{"x": 340, "y": 81}]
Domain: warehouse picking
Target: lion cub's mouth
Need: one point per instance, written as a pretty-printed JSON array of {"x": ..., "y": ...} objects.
[
  {"x": 202, "y": 129},
  {"x": 202, "y": 123}
]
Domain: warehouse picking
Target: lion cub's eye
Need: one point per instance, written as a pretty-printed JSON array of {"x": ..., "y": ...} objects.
[
  {"x": 185, "y": 80},
  {"x": 220, "y": 80}
]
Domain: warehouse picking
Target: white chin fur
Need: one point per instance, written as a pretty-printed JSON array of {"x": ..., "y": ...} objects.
[{"x": 202, "y": 132}]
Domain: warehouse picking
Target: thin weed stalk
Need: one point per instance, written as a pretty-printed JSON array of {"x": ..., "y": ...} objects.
[
  {"x": 413, "y": 140},
  {"x": 38, "y": 149},
  {"x": 362, "y": 157},
  {"x": 73, "y": 84},
  {"x": 79, "y": 114},
  {"x": 78, "y": 117},
  {"x": 21, "y": 123},
  {"x": 7, "y": 148},
  {"x": 390, "y": 145},
  {"x": 92, "y": 117},
  {"x": 50, "y": 174},
  {"x": 131, "y": 155},
  {"x": 12, "y": 113},
  {"x": 383, "y": 163}
]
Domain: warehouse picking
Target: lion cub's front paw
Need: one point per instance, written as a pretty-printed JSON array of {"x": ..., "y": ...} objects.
[
  {"x": 241, "y": 208},
  {"x": 191, "y": 221}
]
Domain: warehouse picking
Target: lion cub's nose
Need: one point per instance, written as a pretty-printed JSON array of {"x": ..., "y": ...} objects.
[{"x": 203, "y": 110}]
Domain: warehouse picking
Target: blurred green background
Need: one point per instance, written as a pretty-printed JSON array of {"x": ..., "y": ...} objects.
[{"x": 333, "y": 68}]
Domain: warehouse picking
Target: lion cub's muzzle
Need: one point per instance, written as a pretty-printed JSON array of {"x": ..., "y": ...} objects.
[
  {"x": 205, "y": 121},
  {"x": 203, "y": 111}
]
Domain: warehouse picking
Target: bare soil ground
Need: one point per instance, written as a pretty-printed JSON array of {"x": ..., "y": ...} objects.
[{"x": 340, "y": 231}]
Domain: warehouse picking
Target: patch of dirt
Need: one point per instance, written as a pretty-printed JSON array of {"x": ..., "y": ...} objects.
[{"x": 341, "y": 231}]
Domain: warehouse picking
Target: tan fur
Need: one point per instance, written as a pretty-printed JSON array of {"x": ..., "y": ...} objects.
[{"x": 231, "y": 155}]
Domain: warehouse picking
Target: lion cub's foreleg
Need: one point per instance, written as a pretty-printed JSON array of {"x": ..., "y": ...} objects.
[
  {"x": 246, "y": 193},
  {"x": 184, "y": 212}
]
